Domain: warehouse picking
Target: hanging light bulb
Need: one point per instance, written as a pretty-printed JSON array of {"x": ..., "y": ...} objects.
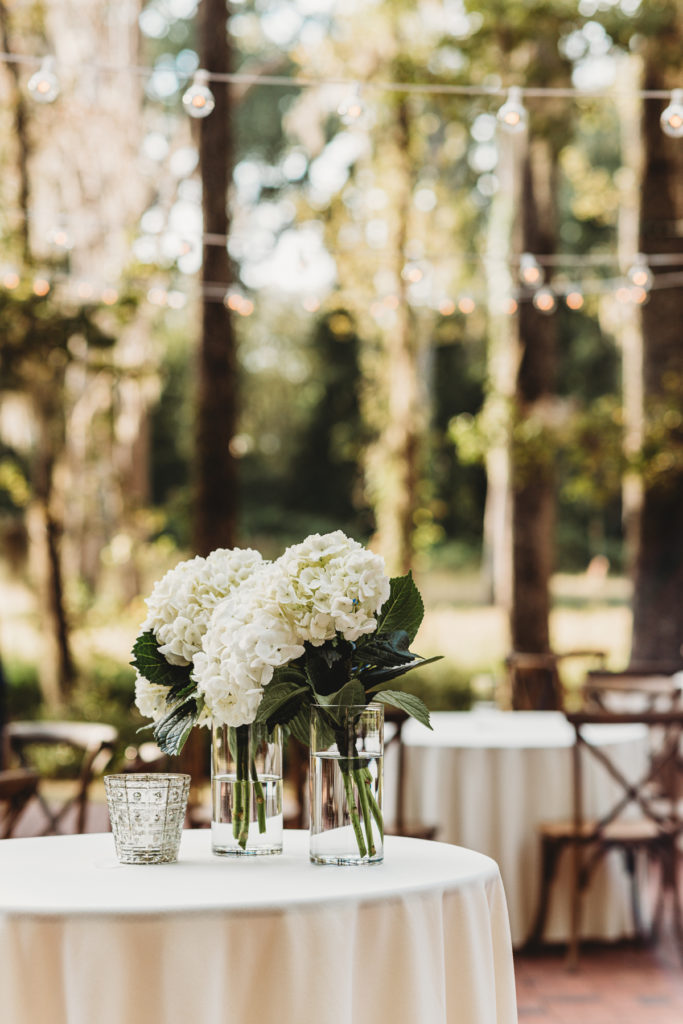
[
  {"x": 198, "y": 100},
  {"x": 511, "y": 306},
  {"x": 446, "y": 307},
  {"x": 44, "y": 84},
  {"x": 41, "y": 286},
  {"x": 466, "y": 305},
  {"x": 513, "y": 116},
  {"x": 530, "y": 271},
  {"x": 639, "y": 295},
  {"x": 10, "y": 280},
  {"x": 544, "y": 301},
  {"x": 639, "y": 274},
  {"x": 671, "y": 119},
  {"x": 574, "y": 297},
  {"x": 352, "y": 108}
]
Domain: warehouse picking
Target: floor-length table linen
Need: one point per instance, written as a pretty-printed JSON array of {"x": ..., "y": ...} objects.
[
  {"x": 423, "y": 937},
  {"x": 488, "y": 778}
]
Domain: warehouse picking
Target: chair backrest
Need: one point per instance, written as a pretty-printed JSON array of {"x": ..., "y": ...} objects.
[
  {"x": 656, "y": 792},
  {"x": 632, "y": 690},
  {"x": 525, "y": 667}
]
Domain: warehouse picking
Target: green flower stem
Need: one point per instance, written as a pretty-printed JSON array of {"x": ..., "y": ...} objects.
[
  {"x": 361, "y": 786},
  {"x": 374, "y": 806},
  {"x": 240, "y": 825},
  {"x": 353, "y": 811},
  {"x": 237, "y": 812},
  {"x": 260, "y": 798},
  {"x": 243, "y": 836}
]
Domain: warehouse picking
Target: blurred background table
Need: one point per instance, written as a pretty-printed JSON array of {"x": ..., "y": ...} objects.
[
  {"x": 488, "y": 778},
  {"x": 423, "y": 937}
]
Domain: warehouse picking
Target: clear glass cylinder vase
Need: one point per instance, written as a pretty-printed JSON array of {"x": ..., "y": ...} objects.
[
  {"x": 246, "y": 790},
  {"x": 347, "y": 754}
]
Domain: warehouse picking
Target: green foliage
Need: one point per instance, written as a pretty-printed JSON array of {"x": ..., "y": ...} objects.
[
  {"x": 151, "y": 663},
  {"x": 407, "y": 702},
  {"x": 403, "y": 610}
]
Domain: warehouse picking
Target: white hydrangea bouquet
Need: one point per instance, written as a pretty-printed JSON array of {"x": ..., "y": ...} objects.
[{"x": 233, "y": 639}]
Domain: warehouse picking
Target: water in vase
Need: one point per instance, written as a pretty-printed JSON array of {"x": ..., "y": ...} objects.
[{"x": 226, "y": 799}]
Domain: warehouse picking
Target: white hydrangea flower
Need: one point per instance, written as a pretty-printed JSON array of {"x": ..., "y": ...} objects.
[
  {"x": 246, "y": 640},
  {"x": 332, "y": 585},
  {"x": 325, "y": 586},
  {"x": 150, "y": 698},
  {"x": 182, "y": 602}
]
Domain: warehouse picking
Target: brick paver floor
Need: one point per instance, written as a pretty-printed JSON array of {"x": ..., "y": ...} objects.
[{"x": 613, "y": 985}]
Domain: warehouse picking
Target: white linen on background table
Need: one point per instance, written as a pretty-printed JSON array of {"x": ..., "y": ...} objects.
[
  {"x": 487, "y": 779},
  {"x": 421, "y": 939}
]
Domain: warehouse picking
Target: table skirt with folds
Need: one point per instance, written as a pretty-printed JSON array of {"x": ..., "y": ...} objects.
[{"x": 422, "y": 939}]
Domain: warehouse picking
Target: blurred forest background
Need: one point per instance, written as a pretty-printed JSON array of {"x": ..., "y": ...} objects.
[{"x": 310, "y": 310}]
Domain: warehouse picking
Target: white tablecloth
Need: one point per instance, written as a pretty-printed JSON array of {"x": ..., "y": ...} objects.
[
  {"x": 488, "y": 778},
  {"x": 420, "y": 939}
]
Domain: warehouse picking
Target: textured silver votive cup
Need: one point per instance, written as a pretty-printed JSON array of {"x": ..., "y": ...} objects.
[{"x": 147, "y": 812}]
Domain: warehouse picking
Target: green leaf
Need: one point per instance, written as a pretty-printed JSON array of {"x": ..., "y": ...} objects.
[
  {"x": 280, "y": 702},
  {"x": 172, "y": 730},
  {"x": 352, "y": 692},
  {"x": 407, "y": 702},
  {"x": 300, "y": 725},
  {"x": 328, "y": 666},
  {"x": 375, "y": 677},
  {"x": 388, "y": 649},
  {"x": 150, "y": 663},
  {"x": 403, "y": 610}
]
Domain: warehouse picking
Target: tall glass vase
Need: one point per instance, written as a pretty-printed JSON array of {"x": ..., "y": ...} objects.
[
  {"x": 246, "y": 789},
  {"x": 347, "y": 753}
]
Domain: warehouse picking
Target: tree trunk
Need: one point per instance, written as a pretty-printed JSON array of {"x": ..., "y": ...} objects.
[
  {"x": 502, "y": 361},
  {"x": 55, "y": 666},
  {"x": 396, "y": 458},
  {"x": 533, "y": 511},
  {"x": 628, "y": 326},
  {"x": 658, "y": 578},
  {"x": 216, "y": 472}
]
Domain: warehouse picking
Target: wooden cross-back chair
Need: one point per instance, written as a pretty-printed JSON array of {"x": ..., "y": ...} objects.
[
  {"x": 655, "y": 833},
  {"x": 93, "y": 744},
  {"x": 525, "y": 667},
  {"x": 17, "y": 788},
  {"x": 632, "y": 689}
]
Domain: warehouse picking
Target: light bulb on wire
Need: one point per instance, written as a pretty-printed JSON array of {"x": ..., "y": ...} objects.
[
  {"x": 198, "y": 100},
  {"x": 530, "y": 271},
  {"x": 671, "y": 119},
  {"x": 574, "y": 297},
  {"x": 44, "y": 84},
  {"x": 639, "y": 274},
  {"x": 513, "y": 116},
  {"x": 352, "y": 107},
  {"x": 544, "y": 301}
]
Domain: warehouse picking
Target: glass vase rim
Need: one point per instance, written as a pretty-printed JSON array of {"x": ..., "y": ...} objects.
[
  {"x": 137, "y": 777},
  {"x": 373, "y": 705}
]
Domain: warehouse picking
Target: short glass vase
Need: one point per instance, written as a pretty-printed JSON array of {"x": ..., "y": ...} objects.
[
  {"x": 346, "y": 763},
  {"x": 246, "y": 790}
]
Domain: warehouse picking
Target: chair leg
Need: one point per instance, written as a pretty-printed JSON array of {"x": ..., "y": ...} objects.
[
  {"x": 549, "y": 854},
  {"x": 578, "y": 884},
  {"x": 631, "y": 865}
]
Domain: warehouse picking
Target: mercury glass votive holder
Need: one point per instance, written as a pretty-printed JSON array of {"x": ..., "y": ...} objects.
[{"x": 147, "y": 812}]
